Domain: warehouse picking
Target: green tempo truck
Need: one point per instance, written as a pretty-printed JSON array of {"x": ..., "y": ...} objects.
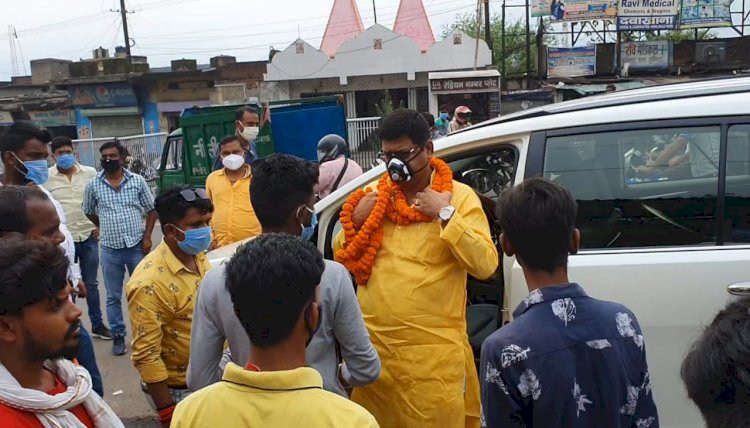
[{"x": 291, "y": 126}]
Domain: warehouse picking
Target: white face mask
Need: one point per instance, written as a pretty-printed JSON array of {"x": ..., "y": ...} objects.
[
  {"x": 233, "y": 162},
  {"x": 249, "y": 133}
]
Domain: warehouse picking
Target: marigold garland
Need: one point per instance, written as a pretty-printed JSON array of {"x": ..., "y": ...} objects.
[{"x": 361, "y": 245}]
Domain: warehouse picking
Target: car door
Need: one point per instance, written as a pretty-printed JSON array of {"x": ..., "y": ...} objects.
[{"x": 666, "y": 242}]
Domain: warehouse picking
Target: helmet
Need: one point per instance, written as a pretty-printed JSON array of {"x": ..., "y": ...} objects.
[
  {"x": 330, "y": 147},
  {"x": 462, "y": 110}
]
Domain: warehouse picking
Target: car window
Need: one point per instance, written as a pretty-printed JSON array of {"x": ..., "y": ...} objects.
[
  {"x": 174, "y": 155},
  {"x": 641, "y": 188},
  {"x": 737, "y": 202}
]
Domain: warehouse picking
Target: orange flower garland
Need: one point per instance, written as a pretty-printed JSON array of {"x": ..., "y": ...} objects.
[{"x": 361, "y": 245}]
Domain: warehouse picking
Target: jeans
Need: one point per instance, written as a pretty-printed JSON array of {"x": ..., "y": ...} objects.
[
  {"x": 87, "y": 254},
  {"x": 87, "y": 359},
  {"x": 114, "y": 261}
]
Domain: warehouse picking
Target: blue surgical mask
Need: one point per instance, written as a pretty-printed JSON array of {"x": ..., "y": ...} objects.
[
  {"x": 37, "y": 171},
  {"x": 66, "y": 161},
  {"x": 309, "y": 231},
  {"x": 444, "y": 115},
  {"x": 196, "y": 240}
]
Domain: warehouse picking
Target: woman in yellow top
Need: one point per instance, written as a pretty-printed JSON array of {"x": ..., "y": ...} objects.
[
  {"x": 229, "y": 189},
  {"x": 411, "y": 241}
]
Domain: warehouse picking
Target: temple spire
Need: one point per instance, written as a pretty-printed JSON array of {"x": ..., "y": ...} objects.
[
  {"x": 412, "y": 22},
  {"x": 343, "y": 24}
]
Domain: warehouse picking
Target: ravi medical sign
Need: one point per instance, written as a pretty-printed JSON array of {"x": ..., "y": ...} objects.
[
  {"x": 705, "y": 13},
  {"x": 571, "y": 62},
  {"x": 647, "y": 15},
  {"x": 656, "y": 55}
]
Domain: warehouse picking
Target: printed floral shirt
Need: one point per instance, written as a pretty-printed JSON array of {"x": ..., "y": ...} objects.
[
  {"x": 567, "y": 360},
  {"x": 161, "y": 298}
]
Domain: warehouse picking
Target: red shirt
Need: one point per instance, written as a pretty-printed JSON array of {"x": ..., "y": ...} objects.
[{"x": 14, "y": 418}]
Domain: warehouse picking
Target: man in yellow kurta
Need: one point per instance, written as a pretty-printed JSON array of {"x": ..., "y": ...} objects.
[
  {"x": 431, "y": 232},
  {"x": 229, "y": 189}
]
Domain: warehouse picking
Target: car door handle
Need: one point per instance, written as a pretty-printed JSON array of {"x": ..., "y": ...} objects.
[{"x": 739, "y": 288}]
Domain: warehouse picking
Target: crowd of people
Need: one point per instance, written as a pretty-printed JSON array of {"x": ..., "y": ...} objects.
[{"x": 278, "y": 336}]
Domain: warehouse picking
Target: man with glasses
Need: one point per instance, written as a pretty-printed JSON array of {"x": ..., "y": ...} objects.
[
  {"x": 411, "y": 240},
  {"x": 116, "y": 201},
  {"x": 161, "y": 296}
]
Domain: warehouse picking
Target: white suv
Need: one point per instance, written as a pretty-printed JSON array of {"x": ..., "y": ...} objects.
[{"x": 671, "y": 244}]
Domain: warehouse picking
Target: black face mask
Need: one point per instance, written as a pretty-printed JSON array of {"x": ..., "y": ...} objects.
[
  {"x": 399, "y": 170},
  {"x": 110, "y": 165}
]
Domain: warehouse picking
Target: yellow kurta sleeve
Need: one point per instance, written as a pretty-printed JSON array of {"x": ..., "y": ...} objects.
[
  {"x": 468, "y": 234},
  {"x": 148, "y": 314}
]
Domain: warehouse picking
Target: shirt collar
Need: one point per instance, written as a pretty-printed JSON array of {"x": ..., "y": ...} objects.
[
  {"x": 285, "y": 380},
  {"x": 174, "y": 264},
  {"x": 125, "y": 172},
  {"x": 549, "y": 294},
  {"x": 55, "y": 171},
  {"x": 248, "y": 171}
]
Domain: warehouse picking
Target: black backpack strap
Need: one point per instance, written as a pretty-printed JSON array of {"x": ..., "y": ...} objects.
[{"x": 341, "y": 175}]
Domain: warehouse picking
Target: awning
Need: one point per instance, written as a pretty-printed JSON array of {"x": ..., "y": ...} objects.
[
  {"x": 179, "y": 106},
  {"x": 110, "y": 111},
  {"x": 589, "y": 89}
]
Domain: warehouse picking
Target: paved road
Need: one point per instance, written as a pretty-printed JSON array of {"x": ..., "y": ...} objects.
[{"x": 118, "y": 373}]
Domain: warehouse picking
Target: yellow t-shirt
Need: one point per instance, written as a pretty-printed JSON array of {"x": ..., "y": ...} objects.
[
  {"x": 281, "y": 399},
  {"x": 234, "y": 218},
  {"x": 161, "y": 296}
]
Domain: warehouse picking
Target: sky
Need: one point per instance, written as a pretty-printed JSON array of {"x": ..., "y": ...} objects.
[
  {"x": 164, "y": 30},
  {"x": 172, "y": 29}
]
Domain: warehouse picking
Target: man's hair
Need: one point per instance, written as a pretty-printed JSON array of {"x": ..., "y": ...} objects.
[
  {"x": 429, "y": 118},
  {"x": 59, "y": 142},
  {"x": 242, "y": 110},
  {"x": 716, "y": 371},
  {"x": 406, "y": 123},
  {"x": 280, "y": 184},
  {"x": 18, "y": 134},
  {"x": 171, "y": 206},
  {"x": 13, "y": 210},
  {"x": 271, "y": 279},
  {"x": 228, "y": 140},
  {"x": 116, "y": 145},
  {"x": 538, "y": 218},
  {"x": 31, "y": 271}
]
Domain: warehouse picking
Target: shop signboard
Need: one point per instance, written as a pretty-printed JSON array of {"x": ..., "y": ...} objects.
[
  {"x": 541, "y": 8},
  {"x": 655, "y": 55},
  {"x": 705, "y": 13},
  {"x": 571, "y": 62},
  {"x": 464, "y": 85},
  {"x": 48, "y": 118},
  {"x": 103, "y": 95},
  {"x": 6, "y": 118},
  {"x": 647, "y": 15},
  {"x": 584, "y": 10}
]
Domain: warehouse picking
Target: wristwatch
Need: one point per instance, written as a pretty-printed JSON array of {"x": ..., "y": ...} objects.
[{"x": 446, "y": 213}]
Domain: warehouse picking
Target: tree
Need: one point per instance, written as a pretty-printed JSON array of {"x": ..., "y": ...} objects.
[
  {"x": 678, "y": 36},
  {"x": 515, "y": 41}
]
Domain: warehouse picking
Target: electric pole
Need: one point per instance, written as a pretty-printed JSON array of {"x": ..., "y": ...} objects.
[
  {"x": 124, "y": 14},
  {"x": 488, "y": 30},
  {"x": 374, "y": 11},
  {"x": 528, "y": 47}
]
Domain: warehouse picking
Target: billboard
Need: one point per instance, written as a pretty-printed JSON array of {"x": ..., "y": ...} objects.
[
  {"x": 103, "y": 95},
  {"x": 656, "y": 55},
  {"x": 584, "y": 10},
  {"x": 571, "y": 62},
  {"x": 705, "y": 13},
  {"x": 647, "y": 15},
  {"x": 541, "y": 8}
]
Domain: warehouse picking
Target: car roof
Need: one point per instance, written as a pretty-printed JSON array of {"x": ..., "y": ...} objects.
[
  {"x": 726, "y": 96},
  {"x": 671, "y": 91}
]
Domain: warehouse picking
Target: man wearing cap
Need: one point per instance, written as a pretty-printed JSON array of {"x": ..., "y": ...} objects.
[{"x": 460, "y": 119}]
